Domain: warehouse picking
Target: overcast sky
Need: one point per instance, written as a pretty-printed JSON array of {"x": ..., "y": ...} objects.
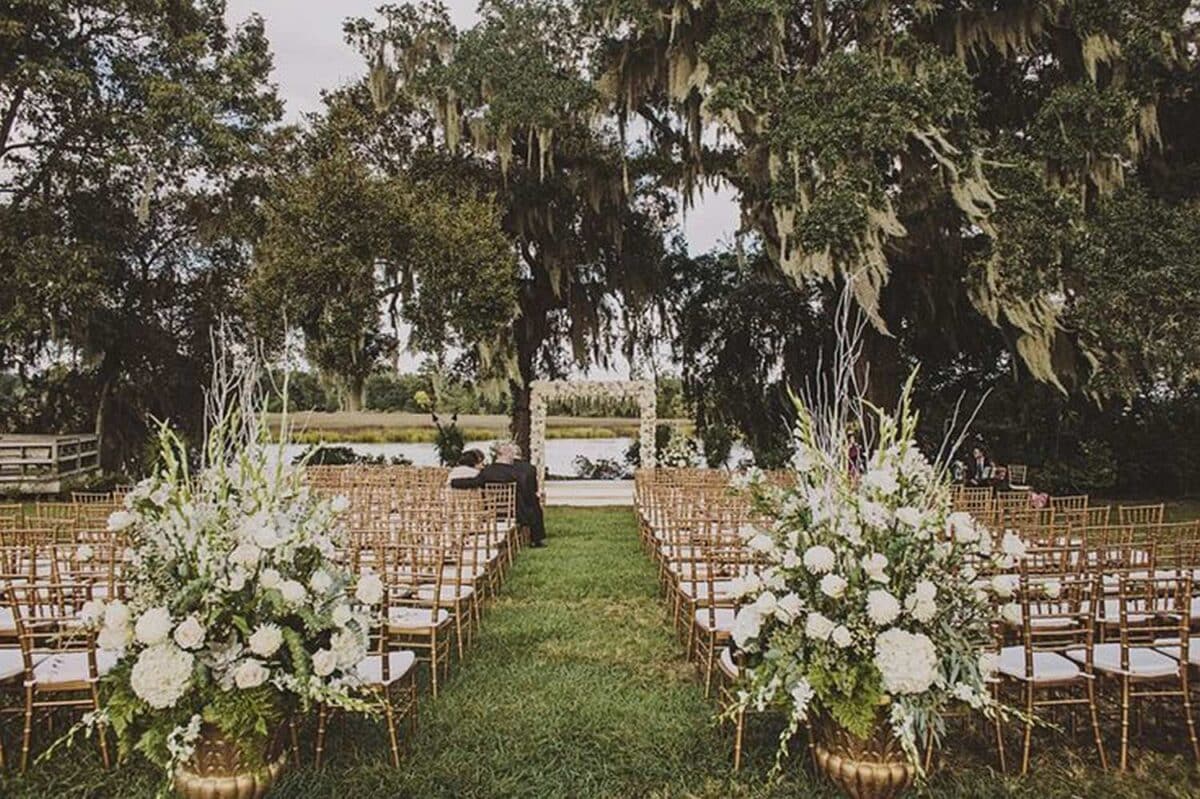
[{"x": 306, "y": 37}]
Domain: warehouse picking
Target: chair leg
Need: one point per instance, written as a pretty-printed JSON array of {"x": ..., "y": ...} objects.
[
  {"x": 101, "y": 732},
  {"x": 998, "y": 724},
  {"x": 1187, "y": 715},
  {"x": 1124, "y": 723},
  {"x": 739, "y": 732},
  {"x": 1091, "y": 690},
  {"x": 27, "y": 732},
  {"x": 390, "y": 717},
  {"x": 322, "y": 719},
  {"x": 433, "y": 665},
  {"x": 295, "y": 736},
  {"x": 458, "y": 631}
]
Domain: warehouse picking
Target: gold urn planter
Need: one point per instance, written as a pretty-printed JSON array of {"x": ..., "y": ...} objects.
[
  {"x": 862, "y": 768},
  {"x": 219, "y": 769}
]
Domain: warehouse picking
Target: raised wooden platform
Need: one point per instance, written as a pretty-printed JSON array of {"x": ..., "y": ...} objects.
[
  {"x": 41, "y": 464},
  {"x": 589, "y": 493}
]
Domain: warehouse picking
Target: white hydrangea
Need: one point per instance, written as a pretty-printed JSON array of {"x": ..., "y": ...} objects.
[
  {"x": 746, "y": 625},
  {"x": 818, "y": 627},
  {"x": 907, "y": 662},
  {"x": 250, "y": 673},
  {"x": 819, "y": 559},
  {"x": 153, "y": 626},
  {"x": 161, "y": 675},
  {"x": 833, "y": 586},
  {"x": 882, "y": 607},
  {"x": 270, "y": 578},
  {"x": 369, "y": 590},
  {"x": 841, "y": 636},
  {"x": 293, "y": 593},
  {"x": 190, "y": 633},
  {"x": 875, "y": 565},
  {"x": 265, "y": 640}
]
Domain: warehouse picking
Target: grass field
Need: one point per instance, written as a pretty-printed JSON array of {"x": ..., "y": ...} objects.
[
  {"x": 577, "y": 687},
  {"x": 380, "y": 428}
]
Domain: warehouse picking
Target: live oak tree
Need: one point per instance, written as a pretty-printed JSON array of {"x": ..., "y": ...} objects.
[
  {"x": 516, "y": 114},
  {"x": 133, "y": 137},
  {"x": 342, "y": 242},
  {"x": 937, "y": 156}
]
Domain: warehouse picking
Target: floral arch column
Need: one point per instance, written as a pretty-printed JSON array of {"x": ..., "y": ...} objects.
[{"x": 541, "y": 392}]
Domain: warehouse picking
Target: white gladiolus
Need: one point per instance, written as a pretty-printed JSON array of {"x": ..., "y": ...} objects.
[
  {"x": 819, "y": 559},
  {"x": 267, "y": 536},
  {"x": 266, "y": 640},
  {"x": 324, "y": 662},
  {"x": 349, "y": 648},
  {"x": 907, "y": 662},
  {"x": 189, "y": 634},
  {"x": 161, "y": 675},
  {"x": 320, "y": 582},
  {"x": 818, "y": 627},
  {"x": 875, "y": 515},
  {"x": 250, "y": 673},
  {"x": 875, "y": 565},
  {"x": 882, "y": 479},
  {"x": 801, "y": 693},
  {"x": 120, "y": 520},
  {"x": 841, "y": 636},
  {"x": 833, "y": 586},
  {"x": 882, "y": 607},
  {"x": 910, "y": 517},
  {"x": 293, "y": 592},
  {"x": 369, "y": 590},
  {"x": 153, "y": 626}
]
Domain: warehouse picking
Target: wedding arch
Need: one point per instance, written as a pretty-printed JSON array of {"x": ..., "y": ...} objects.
[{"x": 543, "y": 391}]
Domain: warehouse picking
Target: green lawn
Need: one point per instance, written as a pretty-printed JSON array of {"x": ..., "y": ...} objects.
[{"x": 577, "y": 688}]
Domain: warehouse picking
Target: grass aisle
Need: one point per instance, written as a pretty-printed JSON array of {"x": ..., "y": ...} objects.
[{"x": 576, "y": 687}]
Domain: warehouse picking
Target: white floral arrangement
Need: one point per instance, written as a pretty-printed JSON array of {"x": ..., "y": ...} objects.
[
  {"x": 542, "y": 392},
  {"x": 238, "y": 614},
  {"x": 680, "y": 451},
  {"x": 869, "y": 610}
]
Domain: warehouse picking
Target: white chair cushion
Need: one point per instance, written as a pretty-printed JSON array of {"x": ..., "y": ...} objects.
[
  {"x": 11, "y": 664},
  {"x": 416, "y": 618},
  {"x": 370, "y": 670},
  {"x": 723, "y": 616},
  {"x": 728, "y": 666},
  {"x": 1170, "y": 648},
  {"x": 71, "y": 667},
  {"x": 8, "y": 625},
  {"x": 448, "y": 593},
  {"x": 1143, "y": 661},
  {"x": 699, "y": 590},
  {"x": 1047, "y": 666}
]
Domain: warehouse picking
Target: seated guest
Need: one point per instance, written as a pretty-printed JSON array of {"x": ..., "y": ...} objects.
[
  {"x": 979, "y": 470},
  {"x": 1000, "y": 478},
  {"x": 507, "y": 469},
  {"x": 468, "y": 465}
]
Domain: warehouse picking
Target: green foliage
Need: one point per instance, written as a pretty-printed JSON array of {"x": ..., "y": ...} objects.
[
  {"x": 326, "y": 455},
  {"x": 249, "y": 717},
  {"x": 717, "y": 440},
  {"x": 450, "y": 441},
  {"x": 852, "y": 695},
  {"x": 1093, "y": 470}
]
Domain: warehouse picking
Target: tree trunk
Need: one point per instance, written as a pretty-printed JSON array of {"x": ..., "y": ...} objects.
[
  {"x": 528, "y": 338},
  {"x": 881, "y": 367},
  {"x": 352, "y": 394}
]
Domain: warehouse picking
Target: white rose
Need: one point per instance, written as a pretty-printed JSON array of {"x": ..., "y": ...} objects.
[
  {"x": 961, "y": 525},
  {"x": 342, "y": 615},
  {"x": 875, "y": 565},
  {"x": 161, "y": 675},
  {"x": 324, "y": 662},
  {"x": 266, "y": 536},
  {"x": 369, "y": 590},
  {"x": 245, "y": 555},
  {"x": 766, "y": 602},
  {"x": 789, "y": 608},
  {"x": 339, "y": 504},
  {"x": 120, "y": 520},
  {"x": 818, "y": 627},
  {"x": 189, "y": 634},
  {"x": 249, "y": 674},
  {"x": 293, "y": 592},
  {"x": 739, "y": 586},
  {"x": 882, "y": 607},
  {"x": 761, "y": 543},
  {"x": 236, "y": 581},
  {"x": 84, "y": 553},
  {"x": 153, "y": 626},
  {"x": 270, "y": 578},
  {"x": 841, "y": 636},
  {"x": 1012, "y": 545},
  {"x": 320, "y": 582},
  {"x": 266, "y": 640},
  {"x": 1011, "y": 613},
  {"x": 833, "y": 586},
  {"x": 819, "y": 559},
  {"x": 1052, "y": 589},
  {"x": 1004, "y": 585},
  {"x": 92, "y": 613}
]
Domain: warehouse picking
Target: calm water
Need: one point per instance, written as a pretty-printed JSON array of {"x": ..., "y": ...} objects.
[{"x": 560, "y": 452}]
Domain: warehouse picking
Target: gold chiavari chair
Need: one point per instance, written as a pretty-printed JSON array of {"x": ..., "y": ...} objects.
[
  {"x": 92, "y": 498},
  {"x": 1012, "y": 500},
  {"x": 1018, "y": 474},
  {"x": 1071, "y": 502},
  {"x": 61, "y": 665},
  {"x": 1141, "y": 515},
  {"x": 1153, "y": 611},
  {"x": 730, "y": 667},
  {"x": 1057, "y": 615},
  {"x": 415, "y": 562}
]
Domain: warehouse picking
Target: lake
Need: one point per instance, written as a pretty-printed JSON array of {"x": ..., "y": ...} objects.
[{"x": 560, "y": 452}]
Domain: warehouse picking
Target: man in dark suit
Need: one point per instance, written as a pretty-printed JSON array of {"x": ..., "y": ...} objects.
[{"x": 507, "y": 469}]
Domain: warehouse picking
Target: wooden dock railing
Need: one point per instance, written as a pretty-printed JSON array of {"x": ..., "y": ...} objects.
[{"x": 42, "y": 463}]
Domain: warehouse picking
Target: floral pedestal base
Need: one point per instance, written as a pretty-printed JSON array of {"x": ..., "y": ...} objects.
[
  {"x": 218, "y": 770},
  {"x": 863, "y": 768}
]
